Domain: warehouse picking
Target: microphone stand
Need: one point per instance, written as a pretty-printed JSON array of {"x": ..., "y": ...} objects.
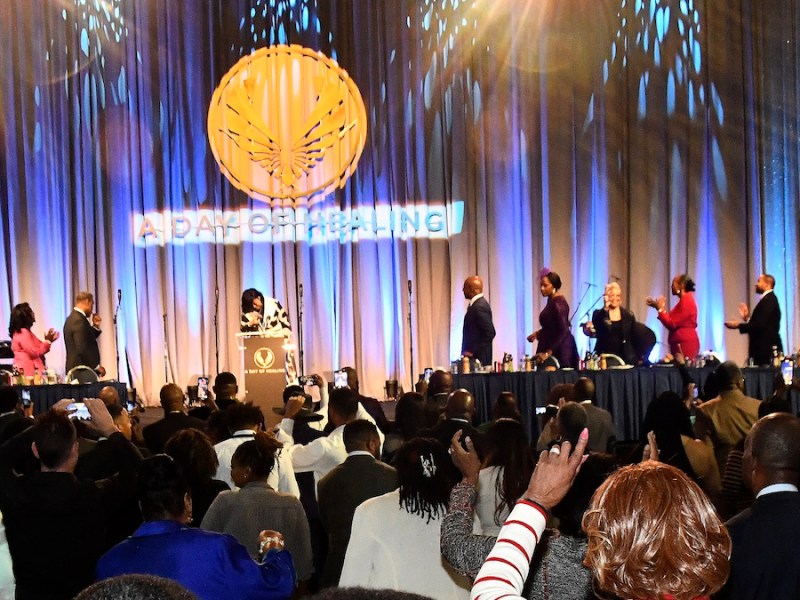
[
  {"x": 216, "y": 326},
  {"x": 116, "y": 331},
  {"x": 300, "y": 327},
  {"x": 410, "y": 335},
  {"x": 166, "y": 351},
  {"x": 577, "y": 308}
]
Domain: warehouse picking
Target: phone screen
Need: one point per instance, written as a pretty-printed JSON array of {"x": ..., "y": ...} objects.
[
  {"x": 26, "y": 398},
  {"x": 428, "y": 373},
  {"x": 202, "y": 388},
  {"x": 787, "y": 370},
  {"x": 81, "y": 412},
  {"x": 340, "y": 379}
]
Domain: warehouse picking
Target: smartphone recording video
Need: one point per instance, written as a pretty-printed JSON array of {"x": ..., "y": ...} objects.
[
  {"x": 202, "y": 388},
  {"x": 340, "y": 379},
  {"x": 81, "y": 413}
]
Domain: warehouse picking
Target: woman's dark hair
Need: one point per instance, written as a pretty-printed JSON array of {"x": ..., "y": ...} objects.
[
  {"x": 555, "y": 279},
  {"x": 258, "y": 454},
  {"x": 193, "y": 451},
  {"x": 248, "y": 296},
  {"x": 505, "y": 407},
  {"x": 423, "y": 477},
  {"x": 593, "y": 473},
  {"x": 409, "y": 415},
  {"x": 161, "y": 488},
  {"x": 668, "y": 417},
  {"x": 686, "y": 282},
  {"x": 21, "y": 318},
  {"x": 508, "y": 446}
]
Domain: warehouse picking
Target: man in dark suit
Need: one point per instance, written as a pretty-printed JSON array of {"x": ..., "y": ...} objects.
[
  {"x": 602, "y": 434},
  {"x": 459, "y": 414},
  {"x": 765, "y": 561},
  {"x": 175, "y": 419},
  {"x": 81, "y": 330},
  {"x": 764, "y": 325},
  {"x": 478, "y": 332},
  {"x": 360, "y": 477}
]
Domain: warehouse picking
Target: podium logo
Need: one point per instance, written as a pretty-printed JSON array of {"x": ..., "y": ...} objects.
[
  {"x": 287, "y": 123},
  {"x": 264, "y": 358}
]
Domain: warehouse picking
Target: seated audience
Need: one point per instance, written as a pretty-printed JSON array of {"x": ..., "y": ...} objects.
[
  {"x": 371, "y": 405},
  {"x": 211, "y": 565},
  {"x": 439, "y": 388},
  {"x": 725, "y": 420},
  {"x": 360, "y": 477},
  {"x": 394, "y": 542},
  {"x": 195, "y": 455},
  {"x": 558, "y": 395},
  {"x": 505, "y": 473},
  {"x": 602, "y": 434},
  {"x": 504, "y": 407},
  {"x": 256, "y": 506},
  {"x": 409, "y": 420},
  {"x": 668, "y": 418},
  {"x": 51, "y": 512},
  {"x": 557, "y": 570},
  {"x": 14, "y": 417},
  {"x": 652, "y": 532},
  {"x": 175, "y": 418},
  {"x": 765, "y": 561}
]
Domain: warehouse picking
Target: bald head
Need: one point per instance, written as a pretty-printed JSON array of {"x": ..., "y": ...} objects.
[
  {"x": 171, "y": 398},
  {"x": 109, "y": 396},
  {"x": 472, "y": 287},
  {"x": 728, "y": 376},
  {"x": 772, "y": 451},
  {"x": 460, "y": 405},
  {"x": 441, "y": 382}
]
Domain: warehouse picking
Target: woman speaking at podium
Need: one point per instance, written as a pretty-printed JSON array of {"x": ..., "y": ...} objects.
[{"x": 266, "y": 315}]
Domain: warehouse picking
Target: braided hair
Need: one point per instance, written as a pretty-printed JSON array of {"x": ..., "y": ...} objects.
[{"x": 424, "y": 481}]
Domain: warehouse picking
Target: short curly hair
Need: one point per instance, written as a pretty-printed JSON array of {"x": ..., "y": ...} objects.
[{"x": 653, "y": 533}]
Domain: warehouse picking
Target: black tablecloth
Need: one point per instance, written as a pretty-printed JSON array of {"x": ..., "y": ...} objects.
[
  {"x": 45, "y": 396},
  {"x": 625, "y": 393}
]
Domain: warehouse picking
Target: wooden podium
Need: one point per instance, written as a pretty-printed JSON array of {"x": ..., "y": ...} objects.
[{"x": 264, "y": 372}]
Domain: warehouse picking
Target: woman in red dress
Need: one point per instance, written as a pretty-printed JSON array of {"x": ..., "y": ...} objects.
[{"x": 681, "y": 321}]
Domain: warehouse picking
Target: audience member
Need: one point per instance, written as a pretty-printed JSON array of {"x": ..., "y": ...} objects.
[
  {"x": 394, "y": 542},
  {"x": 505, "y": 473},
  {"x": 109, "y": 395},
  {"x": 53, "y": 508},
  {"x": 136, "y": 587},
  {"x": 668, "y": 418},
  {"x": 211, "y": 565},
  {"x": 570, "y": 421},
  {"x": 765, "y": 561},
  {"x": 459, "y": 414},
  {"x": 244, "y": 420},
  {"x": 360, "y": 477},
  {"x": 360, "y": 593},
  {"x": 225, "y": 390},
  {"x": 321, "y": 455},
  {"x": 14, "y": 417},
  {"x": 175, "y": 418},
  {"x": 440, "y": 386},
  {"x": 409, "y": 420},
  {"x": 7, "y": 583},
  {"x": 505, "y": 407},
  {"x": 557, "y": 570},
  {"x": 683, "y": 553},
  {"x": 372, "y": 405},
  {"x": 195, "y": 455},
  {"x": 257, "y": 506},
  {"x": 726, "y": 420},
  {"x": 558, "y": 395},
  {"x": 602, "y": 434}
]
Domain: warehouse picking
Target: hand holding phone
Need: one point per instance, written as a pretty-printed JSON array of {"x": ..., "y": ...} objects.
[
  {"x": 340, "y": 379},
  {"x": 202, "y": 388}
]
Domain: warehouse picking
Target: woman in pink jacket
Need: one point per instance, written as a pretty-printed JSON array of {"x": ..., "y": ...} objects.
[{"x": 28, "y": 350}]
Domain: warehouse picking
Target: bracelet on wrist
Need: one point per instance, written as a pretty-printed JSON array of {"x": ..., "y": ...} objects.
[{"x": 536, "y": 504}]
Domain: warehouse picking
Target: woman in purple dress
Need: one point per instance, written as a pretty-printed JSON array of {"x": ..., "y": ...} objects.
[{"x": 554, "y": 336}]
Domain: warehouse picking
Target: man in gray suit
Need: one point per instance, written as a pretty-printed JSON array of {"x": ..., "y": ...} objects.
[
  {"x": 81, "y": 330},
  {"x": 360, "y": 477}
]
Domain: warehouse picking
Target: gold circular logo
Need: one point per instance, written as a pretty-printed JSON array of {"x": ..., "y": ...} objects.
[
  {"x": 287, "y": 123},
  {"x": 264, "y": 358}
]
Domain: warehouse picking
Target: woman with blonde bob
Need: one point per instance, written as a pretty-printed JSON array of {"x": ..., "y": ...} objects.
[{"x": 652, "y": 533}]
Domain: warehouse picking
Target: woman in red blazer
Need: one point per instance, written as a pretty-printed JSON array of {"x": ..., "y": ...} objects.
[
  {"x": 681, "y": 321},
  {"x": 28, "y": 350}
]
